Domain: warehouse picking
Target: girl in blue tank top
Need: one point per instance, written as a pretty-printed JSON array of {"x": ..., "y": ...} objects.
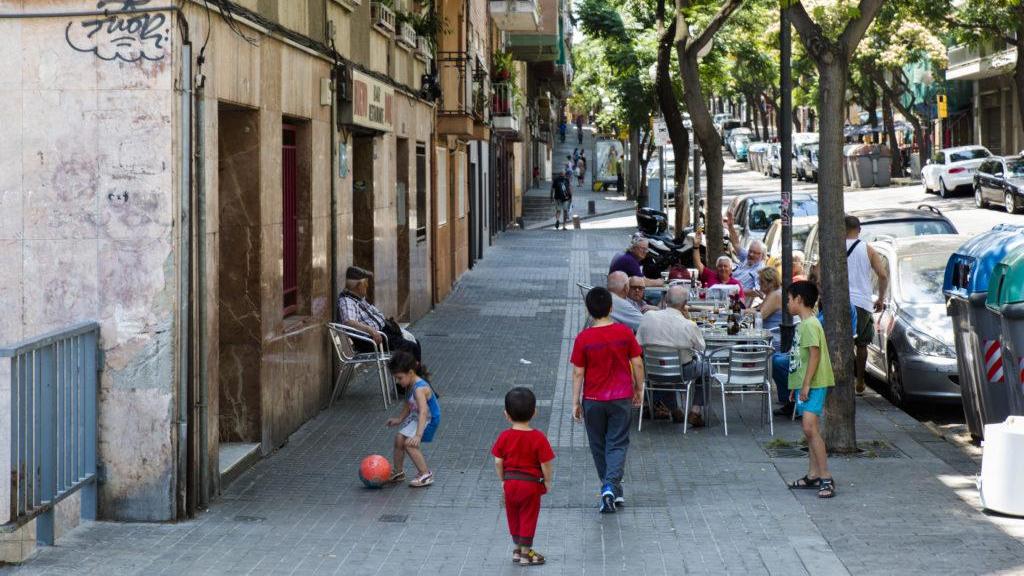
[{"x": 418, "y": 421}]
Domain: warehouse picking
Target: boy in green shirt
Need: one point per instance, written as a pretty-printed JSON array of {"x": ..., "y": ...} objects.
[{"x": 810, "y": 376}]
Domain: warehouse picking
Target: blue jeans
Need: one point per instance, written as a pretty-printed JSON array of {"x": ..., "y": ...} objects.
[
  {"x": 780, "y": 373},
  {"x": 608, "y": 434}
]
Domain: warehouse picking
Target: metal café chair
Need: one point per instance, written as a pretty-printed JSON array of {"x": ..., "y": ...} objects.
[
  {"x": 584, "y": 289},
  {"x": 342, "y": 337},
  {"x": 663, "y": 372},
  {"x": 749, "y": 372}
]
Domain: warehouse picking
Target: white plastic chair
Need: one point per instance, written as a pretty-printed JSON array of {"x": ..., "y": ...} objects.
[
  {"x": 342, "y": 337},
  {"x": 749, "y": 372}
]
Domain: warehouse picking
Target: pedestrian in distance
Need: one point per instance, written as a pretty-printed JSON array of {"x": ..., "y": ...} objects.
[
  {"x": 561, "y": 131},
  {"x": 810, "y": 377},
  {"x": 418, "y": 422},
  {"x": 524, "y": 461},
  {"x": 607, "y": 382},
  {"x": 570, "y": 165},
  {"x": 562, "y": 195},
  {"x": 579, "y": 128},
  {"x": 581, "y": 173}
]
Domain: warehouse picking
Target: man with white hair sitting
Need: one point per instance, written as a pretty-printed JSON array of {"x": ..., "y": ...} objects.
[
  {"x": 673, "y": 329},
  {"x": 752, "y": 259},
  {"x": 624, "y": 311},
  {"x": 630, "y": 261}
]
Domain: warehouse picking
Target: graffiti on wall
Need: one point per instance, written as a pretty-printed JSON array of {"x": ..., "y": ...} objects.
[{"x": 126, "y": 33}]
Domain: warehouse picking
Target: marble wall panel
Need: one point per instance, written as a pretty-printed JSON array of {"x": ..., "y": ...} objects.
[
  {"x": 60, "y": 164},
  {"x": 62, "y": 279},
  {"x": 11, "y": 194},
  {"x": 5, "y": 440},
  {"x": 295, "y": 381},
  {"x": 11, "y": 53},
  {"x": 135, "y": 171},
  {"x": 12, "y": 323},
  {"x": 135, "y": 283},
  {"x": 385, "y": 248}
]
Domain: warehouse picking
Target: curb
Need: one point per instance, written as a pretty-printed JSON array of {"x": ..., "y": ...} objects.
[{"x": 546, "y": 223}]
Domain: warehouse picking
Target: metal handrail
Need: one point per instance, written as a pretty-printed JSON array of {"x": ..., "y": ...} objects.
[{"x": 51, "y": 388}]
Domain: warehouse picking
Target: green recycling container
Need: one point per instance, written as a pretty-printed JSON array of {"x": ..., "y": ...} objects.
[{"x": 1006, "y": 298}]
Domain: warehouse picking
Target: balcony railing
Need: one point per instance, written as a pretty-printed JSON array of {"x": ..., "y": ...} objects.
[
  {"x": 504, "y": 108},
  {"x": 383, "y": 17},
  {"x": 515, "y": 15},
  {"x": 456, "y": 75},
  {"x": 48, "y": 392},
  {"x": 422, "y": 48},
  {"x": 407, "y": 35}
]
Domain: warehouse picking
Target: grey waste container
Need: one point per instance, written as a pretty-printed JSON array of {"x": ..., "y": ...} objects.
[
  {"x": 882, "y": 165},
  {"x": 1006, "y": 298},
  {"x": 859, "y": 160},
  {"x": 977, "y": 329},
  {"x": 847, "y": 168}
]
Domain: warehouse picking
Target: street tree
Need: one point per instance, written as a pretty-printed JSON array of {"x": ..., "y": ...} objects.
[
  {"x": 690, "y": 45},
  {"x": 669, "y": 104},
  {"x": 830, "y": 37}
]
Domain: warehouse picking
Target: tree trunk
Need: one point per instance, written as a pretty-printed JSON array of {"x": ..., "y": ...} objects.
[
  {"x": 755, "y": 115},
  {"x": 810, "y": 120},
  {"x": 796, "y": 119},
  {"x": 764, "y": 119},
  {"x": 710, "y": 148},
  {"x": 896, "y": 164},
  {"x": 840, "y": 432},
  {"x": 673, "y": 119}
]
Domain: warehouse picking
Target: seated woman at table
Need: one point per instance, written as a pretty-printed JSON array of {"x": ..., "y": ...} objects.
[
  {"x": 771, "y": 307},
  {"x": 722, "y": 274}
]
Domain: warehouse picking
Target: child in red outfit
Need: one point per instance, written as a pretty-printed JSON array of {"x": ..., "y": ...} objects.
[{"x": 523, "y": 459}]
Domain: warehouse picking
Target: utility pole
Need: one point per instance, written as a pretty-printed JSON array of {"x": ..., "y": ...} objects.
[{"x": 786, "y": 152}]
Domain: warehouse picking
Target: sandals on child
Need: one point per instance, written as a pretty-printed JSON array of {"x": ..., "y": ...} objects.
[
  {"x": 805, "y": 483},
  {"x": 531, "y": 558},
  {"x": 826, "y": 488},
  {"x": 422, "y": 480}
]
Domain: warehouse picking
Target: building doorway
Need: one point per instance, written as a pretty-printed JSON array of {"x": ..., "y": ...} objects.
[
  {"x": 363, "y": 205},
  {"x": 239, "y": 309},
  {"x": 402, "y": 226}
]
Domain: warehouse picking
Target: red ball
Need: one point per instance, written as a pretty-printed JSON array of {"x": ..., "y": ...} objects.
[{"x": 374, "y": 471}]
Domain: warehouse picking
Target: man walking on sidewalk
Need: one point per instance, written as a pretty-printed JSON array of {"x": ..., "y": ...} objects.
[
  {"x": 607, "y": 382},
  {"x": 579, "y": 128},
  {"x": 861, "y": 259}
]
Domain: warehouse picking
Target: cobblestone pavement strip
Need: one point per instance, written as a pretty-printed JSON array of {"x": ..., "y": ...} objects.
[{"x": 702, "y": 503}]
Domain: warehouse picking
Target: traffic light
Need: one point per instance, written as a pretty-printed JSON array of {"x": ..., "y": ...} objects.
[{"x": 940, "y": 105}]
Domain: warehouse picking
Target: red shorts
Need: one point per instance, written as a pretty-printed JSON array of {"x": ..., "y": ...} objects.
[{"x": 522, "y": 506}]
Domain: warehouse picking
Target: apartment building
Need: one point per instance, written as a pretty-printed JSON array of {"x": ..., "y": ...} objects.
[
  {"x": 196, "y": 177},
  {"x": 991, "y": 114}
]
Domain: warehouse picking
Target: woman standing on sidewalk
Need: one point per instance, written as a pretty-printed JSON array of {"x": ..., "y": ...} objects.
[{"x": 607, "y": 382}]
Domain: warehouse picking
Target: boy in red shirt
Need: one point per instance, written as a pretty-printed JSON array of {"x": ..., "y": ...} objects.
[
  {"x": 523, "y": 459},
  {"x": 607, "y": 381}
]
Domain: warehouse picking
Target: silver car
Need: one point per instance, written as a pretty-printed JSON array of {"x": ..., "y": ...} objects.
[{"x": 912, "y": 350}]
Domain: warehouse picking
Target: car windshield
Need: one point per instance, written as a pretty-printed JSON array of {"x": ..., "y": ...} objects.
[
  {"x": 763, "y": 213},
  {"x": 921, "y": 278},
  {"x": 905, "y": 228},
  {"x": 1016, "y": 168},
  {"x": 972, "y": 154},
  {"x": 800, "y": 236}
]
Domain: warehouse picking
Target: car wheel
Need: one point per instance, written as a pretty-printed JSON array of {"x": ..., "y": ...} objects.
[
  {"x": 897, "y": 395},
  {"x": 1011, "y": 205},
  {"x": 943, "y": 191},
  {"x": 978, "y": 200}
]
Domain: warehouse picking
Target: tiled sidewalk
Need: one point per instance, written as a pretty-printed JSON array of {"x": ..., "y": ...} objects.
[{"x": 702, "y": 503}]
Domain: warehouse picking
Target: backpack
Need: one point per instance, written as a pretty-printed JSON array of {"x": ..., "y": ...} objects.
[{"x": 561, "y": 190}]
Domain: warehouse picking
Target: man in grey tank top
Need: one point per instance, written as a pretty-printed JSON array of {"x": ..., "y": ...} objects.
[{"x": 861, "y": 259}]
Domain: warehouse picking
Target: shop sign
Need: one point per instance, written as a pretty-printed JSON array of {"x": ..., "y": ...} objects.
[{"x": 372, "y": 103}]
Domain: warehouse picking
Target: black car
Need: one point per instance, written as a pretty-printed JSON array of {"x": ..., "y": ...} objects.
[
  {"x": 1000, "y": 181},
  {"x": 884, "y": 223}
]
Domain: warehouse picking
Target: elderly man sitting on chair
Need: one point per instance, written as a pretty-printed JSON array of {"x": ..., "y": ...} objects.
[
  {"x": 673, "y": 329},
  {"x": 354, "y": 311}
]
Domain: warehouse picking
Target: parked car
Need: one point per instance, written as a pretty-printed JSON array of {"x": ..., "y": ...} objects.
[
  {"x": 801, "y": 139},
  {"x": 717, "y": 120},
  {"x": 912, "y": 350},
  {"x": 953, "y": 168},
  {"x": 773, "y": 238},
  {"x": 735, "y": 136},
  {"x": 926, "y": 220},
  {"x": 808, "y": 163},
  {"x": 754, "y": 213},
  {"x": 741, "y": 147},
  {"x": 1000, "y": 180},
  {"x": 727, "y": 125}
]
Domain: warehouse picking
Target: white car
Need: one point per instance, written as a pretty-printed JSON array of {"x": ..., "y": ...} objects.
[{"x": 953, "y": 168}]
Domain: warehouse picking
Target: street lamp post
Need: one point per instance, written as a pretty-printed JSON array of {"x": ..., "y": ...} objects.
[{"x": 786, "y": 152}]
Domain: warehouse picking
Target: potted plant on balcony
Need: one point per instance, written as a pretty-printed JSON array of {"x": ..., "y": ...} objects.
[{"x": 504, "y": 67}]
